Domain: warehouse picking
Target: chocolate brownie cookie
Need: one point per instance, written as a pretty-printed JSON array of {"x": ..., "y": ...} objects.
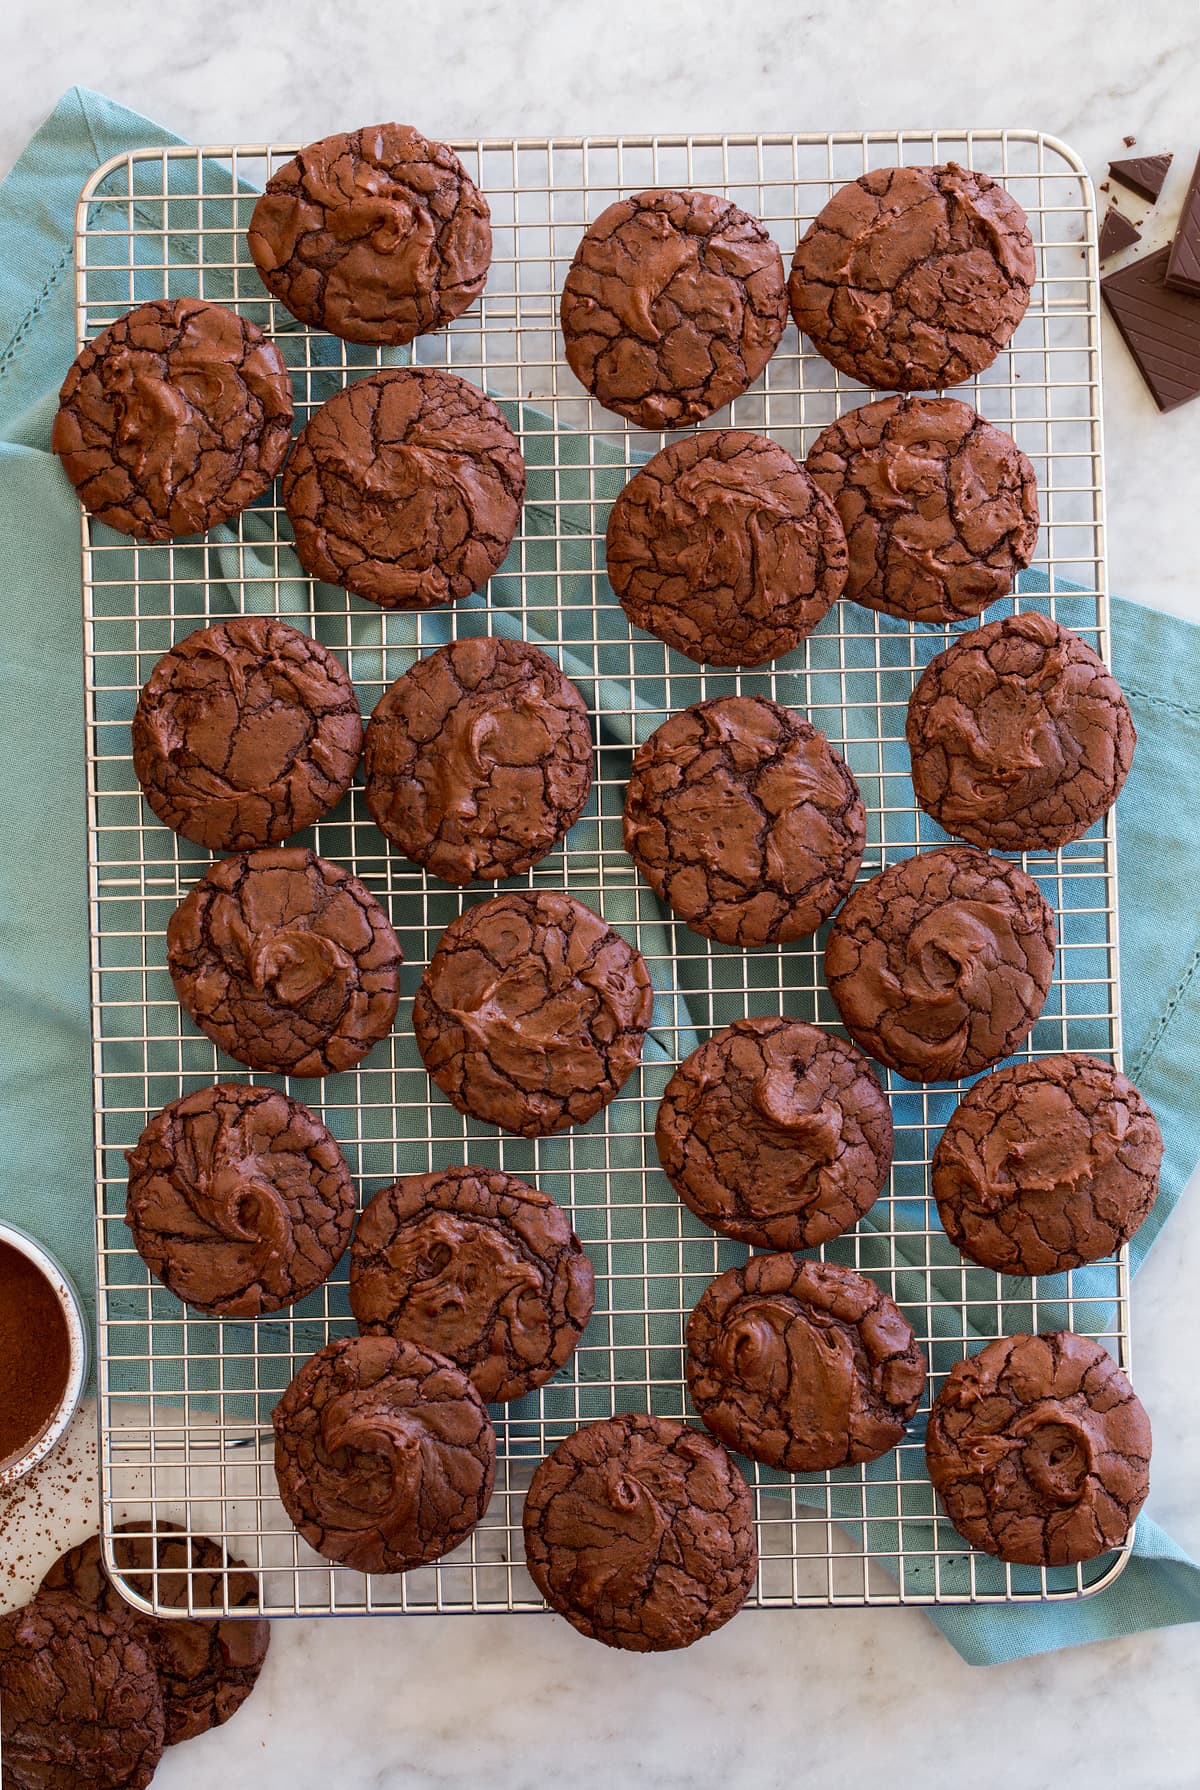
[
  {"x": 802, "y": 1365},
  {"x": 1047, "y": 1165},
  {"x": 286, "y": 961},
  {"x": 384, "y": 1454},
  {"x": 674, "y": 304},
  {"x": 244, "y": 733},
  {"x": 406, "y": 488},
  {"x": 939, "y": 507},
  {"x": 479, "y": 759},
  {"x": 206, "y": 1669},
  {"x": 1020, "y": 736},
  {"x": 913, "y": 279},
  {"x": 940, "y": 965},
  {"x": 80, "y": 1702},
  {"x": 744, "y": 820},
  {"x": 376, "y": 235},
  {"x": 239, "y": 1200},
  {"x": 723, "y": 547},
  {"x": 1039, "y": 1449},
  {"x": 776, "y": 1133},
  {"x": 640, "y": 1531},
  {"x": 173, "y": 419},
  {"x": 533, "y": 1012},
  {"x": 479, "y": 1266}
]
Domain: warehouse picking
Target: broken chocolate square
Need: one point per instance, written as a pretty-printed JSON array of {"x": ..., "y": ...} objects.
[
  {"x": 1143, "y": 174},
  {"x": 1116, "y": 233},
  {"x": 1183, "y": 268},
  {"x": 1161, "y": 328}
]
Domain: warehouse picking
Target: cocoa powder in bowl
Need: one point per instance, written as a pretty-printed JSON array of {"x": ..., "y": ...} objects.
[{"x": 35, "y": 1353}]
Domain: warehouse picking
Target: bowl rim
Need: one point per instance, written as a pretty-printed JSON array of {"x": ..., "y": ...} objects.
[{"x": 19, "y": 1466}]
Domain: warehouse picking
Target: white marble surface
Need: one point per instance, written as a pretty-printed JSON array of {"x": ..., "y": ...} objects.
[{"x": 826, "y": 1696}]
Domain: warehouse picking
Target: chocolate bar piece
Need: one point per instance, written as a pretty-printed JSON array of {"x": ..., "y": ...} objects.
[
  {"x": 1161, "y": 328},
  {"x": 1143, "y": 173},
  {"x": 1183, "y": 268},
  {"x": 1116, "y": 233}
]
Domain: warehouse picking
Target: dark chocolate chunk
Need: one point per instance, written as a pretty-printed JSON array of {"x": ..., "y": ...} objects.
[
  {"x": 1183, "y": 264},
  {"x": 673, "y": 305},
  {"x": 640, "y": 1531},
  {"x": 81, "y": 1707},
  {"x": 802, "y": 1365},
  {"x": 1161, "y": 328},
  {"x": 239, "y": 1200},
  {"x": 206, "y": 1669},
  {"x": 1039, "y": 1449},
  {"x": 384, "y": 1454},
  {"x": 1143, "y": 174},
  {"x": 286, "y": 961},
  {"x": 1116, "y": 233},
  {"x": 744, "y": 820},
  {"x": 376, "y": 235},
  {"x": 479, "y": 1266},
  {"x": 1047, "y": 1165}
]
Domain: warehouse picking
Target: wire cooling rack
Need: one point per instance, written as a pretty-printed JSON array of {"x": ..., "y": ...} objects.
[{"x": 186, "y": 1402}]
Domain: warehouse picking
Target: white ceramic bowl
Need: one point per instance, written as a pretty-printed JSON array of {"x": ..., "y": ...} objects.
[{"x": 77, "y": 1331}]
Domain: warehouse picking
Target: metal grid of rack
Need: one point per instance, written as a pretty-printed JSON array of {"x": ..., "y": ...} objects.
[{"x": 186, "y": 1401}]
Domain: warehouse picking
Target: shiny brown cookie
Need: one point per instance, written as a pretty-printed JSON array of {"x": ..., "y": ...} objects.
[
  {"x": 775, "y": 1132},
  {"x": 245, "y": 733},
  {"x": 1046, "y": 1165},
  {"x": 376, "y": 235},
  {"x": 673, "y": 305},
  {"x": 722, "y": 546},
  {"x": 479, "y": 759},
  {"x": 80, "y": 1702},
  {"x": 802, "y": 1365},
  {"x": 941, "y": 964},
  {"x": 640, "y": 1531},
  {"x": 384, "y": 1454},
  {"x": 286, "y": 961},
  {"x": 1020, "y": 736},
  {"x": 479, "y": 1266},
  {"x": 173, "y": 419},
  {"x": 533, "y": 1012},
  {"x": 239, "y": 1200},
  {"x": 406, "y": 488},
  {"x": 1039, "y": 1449},
  {"x": 744, "y": 820},
  {"x": 913, "y": 279},
  {"x": 206, "y": 1669},
  {"x": 939, "y": 507}
]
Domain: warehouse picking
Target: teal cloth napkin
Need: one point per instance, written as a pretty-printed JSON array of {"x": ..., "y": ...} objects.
[{"x": 45, "y": 1070}]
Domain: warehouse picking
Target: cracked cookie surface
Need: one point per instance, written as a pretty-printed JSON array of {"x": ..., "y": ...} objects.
[
  {"x": 376, "y": 235},
  {"x": 940, "y": 965},
  {"x": 723, "y": 547},
  {"x": 802, "y": 1365},
  {"x": 673, "y": 306},
  {"x": 939, "y": 507},
  {"x": 406, "y": 488},
  {"x": 1047, "y": 1165},
  {"x": 1020, "y": 736},
  {"x": 913, "y": 279},
  {"x": 245, "y": 733},
  {"x": 173, "y": 419},
  {"x": 776, "y": 1133},
  {"x": 286, "y": 961},
  {"x": 1039, "y": 1449},
  {"x": 479, "y": 759},
  {"x": 533, "y": 1012},
  {"x": 80, "y": 1701},
  {"x": 744, "y": 820},
  {"x": 478, "y": 1265},
  {"x": 239, "y": 1200},
  {"x": 640, "y": 1531},
  {"x": 384, "y": 1454},
  {"x": 206, "y": 1669}
]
